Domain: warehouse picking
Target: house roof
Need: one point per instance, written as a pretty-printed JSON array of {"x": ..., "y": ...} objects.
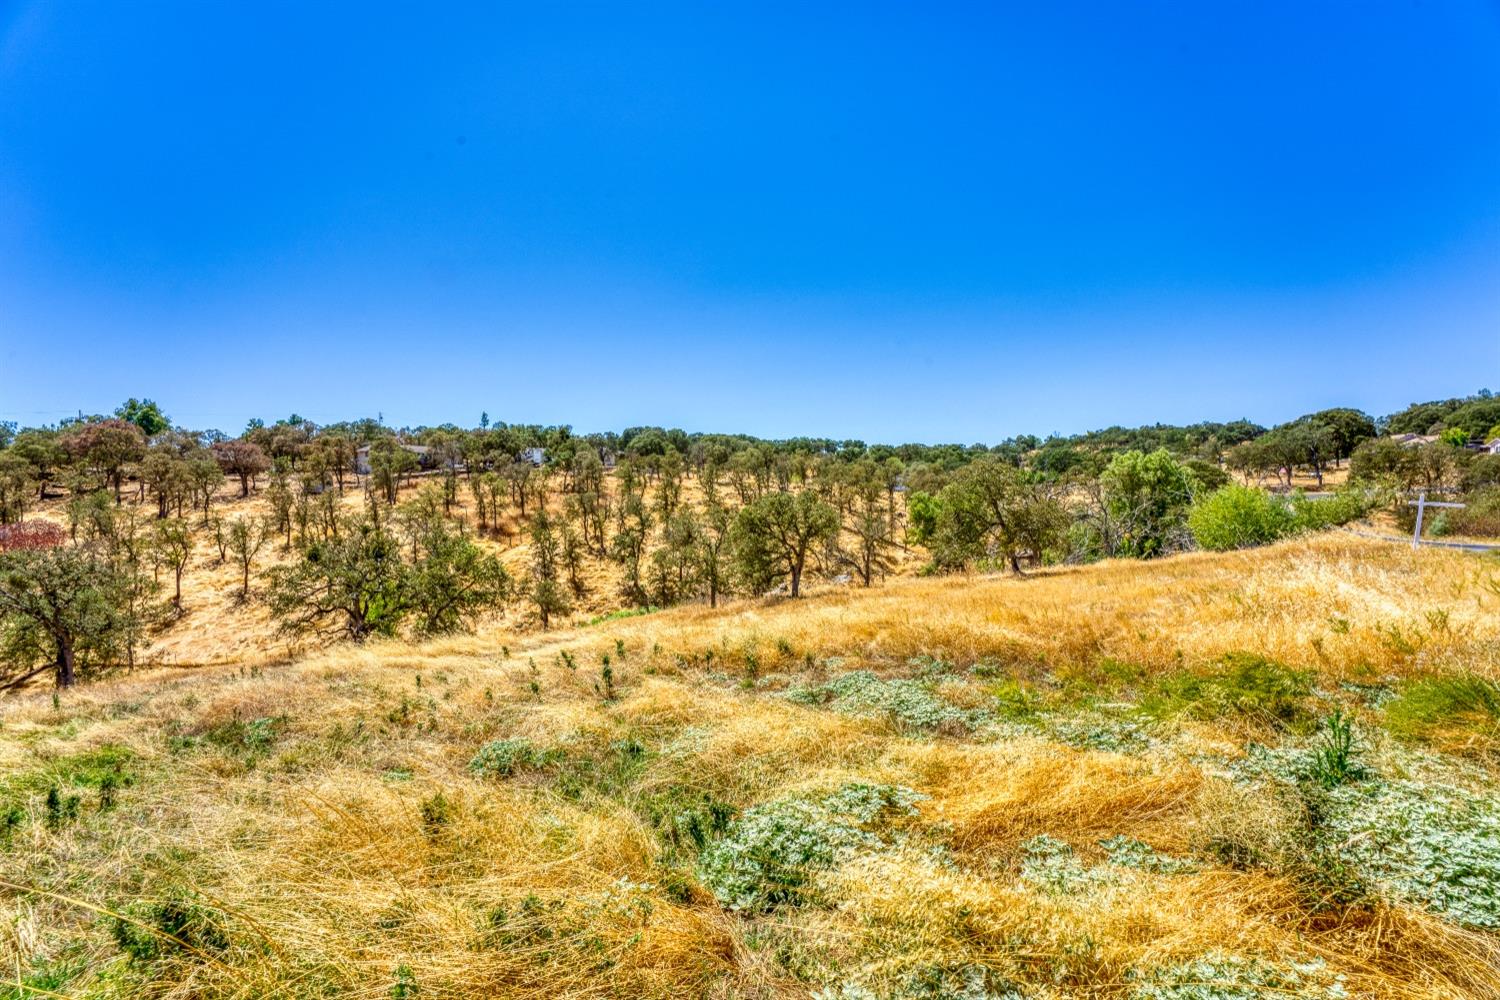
[{"x": 420, "y": 449}]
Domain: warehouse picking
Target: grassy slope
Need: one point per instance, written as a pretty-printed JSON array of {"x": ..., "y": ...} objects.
[{"x": 314, "y": 829}]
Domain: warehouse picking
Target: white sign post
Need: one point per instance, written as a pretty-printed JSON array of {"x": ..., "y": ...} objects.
[{"x": 1422, "y": 503}]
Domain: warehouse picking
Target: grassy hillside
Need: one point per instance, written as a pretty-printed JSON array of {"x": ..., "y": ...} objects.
[
  {"x": 1115, "y": 781},
  {"x": 217, "y": 627}
]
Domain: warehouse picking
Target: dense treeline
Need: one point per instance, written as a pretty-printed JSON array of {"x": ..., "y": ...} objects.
[
  {"x": 1478, "y": 416},
  {"x": 388, "y": 531}
]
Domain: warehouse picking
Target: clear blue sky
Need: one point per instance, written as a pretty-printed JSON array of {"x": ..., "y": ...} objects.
[{"x": 895, "y": 222}]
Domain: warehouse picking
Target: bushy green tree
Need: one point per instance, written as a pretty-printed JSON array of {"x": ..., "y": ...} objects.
[
  {"x": 544, "y": 587},
  {"x": 1476, "y": 416},
  {"x": 675, "y": 562},
  {"x": 355, "y": 585},
  {"x": 17, "y": 486},
  {"x": 993, "y": 510},
  {"x": 389, "y": 464},
  {"x": 67, "y": 609},
  {"x": 520, "y": 476},
  {"x": 1429, "y": 466},
  {"x": 1455, "y": 437},
  {"x": 774, "y": 535},
  {"x": 868, "y": 525},
  {"x": 370, "y": 577},
  {"x": 1147, "y": 496},
  {"x": 628, "y": 547},
  {"x": 714, "y": 551},
  {"x": 452, "y": 581},
  {"x": 144, "y": 414},
  {"x": 1348, "y": 428},
  {"x": 1306, "y": 442},
  {"x": 922, "y": 510},
  {"x": 204, "y": 478},
  {"x": 244, "y": 537},
  {"x": 572, "y": 550},
  {"x": 1207, "y": 476},
  {"x": 43, "y": 450},
  {"x": 172, "y": 546},
  {"x": 167, "y": 475}
]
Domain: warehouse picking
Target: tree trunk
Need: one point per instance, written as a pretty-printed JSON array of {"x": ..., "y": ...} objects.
[
  {"x": 796, "y": 578},
  {"x": 66, "y": 665}
]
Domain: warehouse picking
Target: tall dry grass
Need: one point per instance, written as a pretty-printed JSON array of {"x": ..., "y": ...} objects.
[{"x": 1347, "y": 607}]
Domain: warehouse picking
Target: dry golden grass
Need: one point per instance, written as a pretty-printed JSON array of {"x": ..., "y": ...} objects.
[
  {"x": 1344, "y": 606},
  {"x": 351, "y": 852}
]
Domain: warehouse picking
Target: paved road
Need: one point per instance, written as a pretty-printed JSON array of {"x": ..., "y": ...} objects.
[{"x": 1430, "y": 542}]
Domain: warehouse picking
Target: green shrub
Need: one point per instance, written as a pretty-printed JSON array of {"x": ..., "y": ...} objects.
[
  {"x": 686, "y": 819},
  {"x": 1241, "y": 684},
  {"x": 1424, "y": 843},
  {"x": 1328, "y": 512},
  {"x": 1127, "y": 852},
  {"x": 502, "y": 758},
  {"x": 1148, "y": 496},
  {"x": 106, "y": 766},
  {"x": 609, "y": 770},
  {"x": 437, "y": 812},
  {"x": 159, "y": 928},
  {"x": 1238, "y": 517},
  {"x": 767, "y": 856},
  {"x": 1482, "y": 471},
  {"x": 405, "y": 985},
  {"x": 1479, "y": 517},
  {"x": 1463, "y": 709},
  {"x": 1207, "y": 476},
  {"x": 1432, "y": 845},
  {"x": 1050, "y": 865},
  {"x": 59, "y": 808},
  {"x": 251, "y": 739},
  {"x": 46, "y": 978},
  {"x": 1334, "y": 762},
  {"x": 910, "y": 704}
]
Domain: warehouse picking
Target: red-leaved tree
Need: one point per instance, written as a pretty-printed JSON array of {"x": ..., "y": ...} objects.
[
  {"x": 31, "y": 535},
  {"x": 242, "y": 459}
]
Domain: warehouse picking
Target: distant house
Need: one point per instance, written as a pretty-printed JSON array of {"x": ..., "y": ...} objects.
[
  {"x": 1492, "y": 446},
  {"x": 536, "y": 456},
  {"x": 423, "y": 453}
]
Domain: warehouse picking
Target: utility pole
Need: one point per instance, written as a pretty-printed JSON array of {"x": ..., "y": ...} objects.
[{"x": 1422, "y": 503}]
